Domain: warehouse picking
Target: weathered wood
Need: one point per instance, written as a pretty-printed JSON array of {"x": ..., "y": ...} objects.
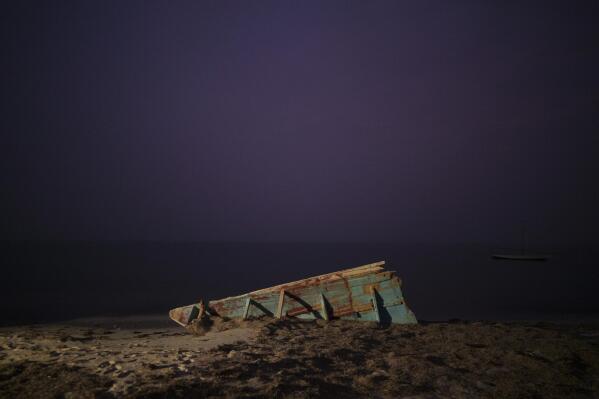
[
  {"x": 202, "y": 309},
  {"x": 303, "y": 310},
  {"x": 375, "y": 305},
  {"x": 367, "y": 293},
  {"x": 247, "y": 308},
  {"x": 343, "y": 274},
  {"x": 323, "y": 307},
  {"x": 279, "y": 313}
]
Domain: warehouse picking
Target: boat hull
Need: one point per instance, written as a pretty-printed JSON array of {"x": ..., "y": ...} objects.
[
  {"x": 365, "y": 293},
  {"x": 520, "y": 257}
]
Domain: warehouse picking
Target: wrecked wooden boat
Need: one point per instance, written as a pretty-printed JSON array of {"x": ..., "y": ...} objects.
[{"x": 367, "y": 293}]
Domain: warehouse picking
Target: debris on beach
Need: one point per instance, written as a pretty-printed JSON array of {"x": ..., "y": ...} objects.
[{"x": 364, "y": 293}]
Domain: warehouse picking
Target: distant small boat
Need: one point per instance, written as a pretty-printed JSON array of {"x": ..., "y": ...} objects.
[
  {"x": 536, "y": 257},
  {"x": 524, "y": 254}
]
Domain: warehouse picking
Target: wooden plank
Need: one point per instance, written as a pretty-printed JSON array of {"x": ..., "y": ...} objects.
[
  {"x": 375, "y": 305},
  {"x": 279, "y": 313},
  {"x": 247, "y": 308},
  {"x": 323, "y": 307},
  {"x": 303, "y": 310},
  {"x": 339, "y": 275}
]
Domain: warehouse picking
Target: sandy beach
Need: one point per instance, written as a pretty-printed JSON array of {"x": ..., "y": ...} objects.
[{"x": 150, "y": 357}]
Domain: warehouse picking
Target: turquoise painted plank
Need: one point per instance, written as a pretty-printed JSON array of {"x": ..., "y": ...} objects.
[{"x": 336, "y": 292}]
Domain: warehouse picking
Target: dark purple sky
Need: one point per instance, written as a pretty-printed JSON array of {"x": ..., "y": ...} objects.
[{"x": 255, "y": 120}]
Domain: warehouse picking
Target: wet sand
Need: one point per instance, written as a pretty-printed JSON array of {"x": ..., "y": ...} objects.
[{"x": 151, "y": 357}]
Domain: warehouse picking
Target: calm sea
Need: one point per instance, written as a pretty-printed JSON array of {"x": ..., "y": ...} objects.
[{"x": 50, "y": 281}]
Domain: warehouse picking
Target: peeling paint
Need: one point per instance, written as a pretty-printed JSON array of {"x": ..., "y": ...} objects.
[{"x": 368, "y": 293}]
